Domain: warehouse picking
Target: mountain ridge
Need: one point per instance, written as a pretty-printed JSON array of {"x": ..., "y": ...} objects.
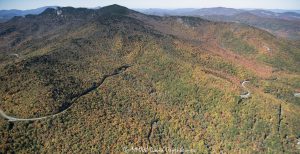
[{"x": 279, "y": 23}]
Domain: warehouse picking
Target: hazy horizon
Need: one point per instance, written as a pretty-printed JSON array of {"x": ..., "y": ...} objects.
[{"x": 155, "y": 4}]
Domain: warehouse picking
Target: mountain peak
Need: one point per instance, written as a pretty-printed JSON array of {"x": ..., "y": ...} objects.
[
  {"x": 48, "y": 11},
  {"x": 114, "y": 9}
]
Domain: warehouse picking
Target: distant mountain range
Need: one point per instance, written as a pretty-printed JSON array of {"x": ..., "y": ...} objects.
[
  {"x": 8, "y": 14},
  {"x": 283, "y": 23},
  {"x": 221, "y": 11}
]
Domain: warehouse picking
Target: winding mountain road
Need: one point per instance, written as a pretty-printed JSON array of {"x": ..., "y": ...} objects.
[
  {"x": 248, "y": 94},
  {"x": 73, "y": 97},
  {"x": 9, "y": 118},
  {"x": 16, "y": 55}
]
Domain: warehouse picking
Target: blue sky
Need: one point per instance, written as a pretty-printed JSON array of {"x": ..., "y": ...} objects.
[{"x": 266, "y": 4}]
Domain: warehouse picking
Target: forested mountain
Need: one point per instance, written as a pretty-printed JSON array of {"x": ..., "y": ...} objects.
[{"x": 112, "y": 79}]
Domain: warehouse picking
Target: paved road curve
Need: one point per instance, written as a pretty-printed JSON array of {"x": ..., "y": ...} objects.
[
  {"x": 248, "y": 92},
  {"x": 73, "y": 98},
  {"x": 16, "y": 55},
  {"x": 9, "y": 118}
]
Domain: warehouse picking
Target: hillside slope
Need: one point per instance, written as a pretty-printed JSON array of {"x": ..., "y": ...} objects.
[{"x": 182, "y": 90}]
